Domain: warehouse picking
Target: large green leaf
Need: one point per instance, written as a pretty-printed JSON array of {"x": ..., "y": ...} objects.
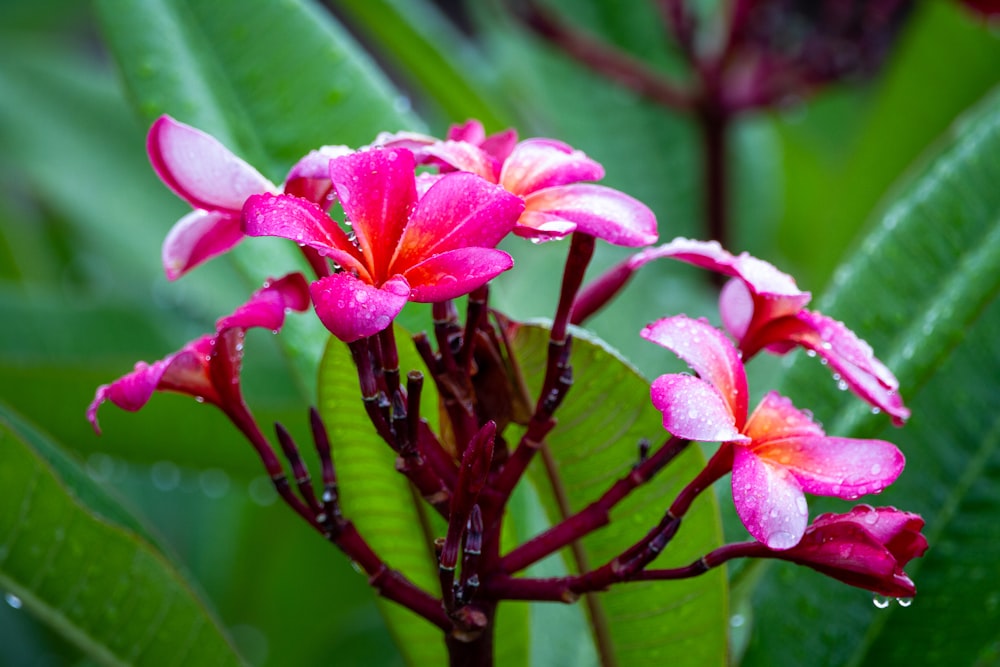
[
  {"x": 601, "y": 422},
  {"x": 378, "y": 499},
  {"x": 126, "y": 604},
  {"x": 922, "y": 290}
]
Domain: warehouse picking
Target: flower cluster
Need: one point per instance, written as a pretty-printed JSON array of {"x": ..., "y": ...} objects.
[{"x": 422, "y": 221}]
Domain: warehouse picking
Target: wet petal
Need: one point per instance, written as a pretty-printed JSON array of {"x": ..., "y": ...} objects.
[
  {"x": 736, "y": 308},
  {"x": 693, "y": 409},
  {"x": 267, "y": 307},
  {"x": 459, "y": 210},
  {"x": 377, "y": 190},
  {"x": 454, "y": 273},
  {"x": 599, "y": 211},
  {"x": 202, "y": 171},
  {"x": 709, "y": 353},
  {"x": 304, "y": 222},
  {"x": 465, "y": 157},
  {"x": 852, "y": 359},
  {"x": 310, "y": 177},
  {"x": 352, "y": 309},
  {"x": 198, "y": 237},
  {"x": 535, "y": 164},
  {"x": 769, "y": 501}
]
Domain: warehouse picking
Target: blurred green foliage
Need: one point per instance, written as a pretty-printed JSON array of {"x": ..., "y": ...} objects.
[{"x": 82, "y": 295}]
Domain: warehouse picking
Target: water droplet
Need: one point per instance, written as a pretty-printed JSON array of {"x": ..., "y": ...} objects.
[
  {"x": 801, "y": 506},
  {"x": 360, "y": 296},
  {"x": 880, "y": 601},
  {"x": 904, "y": 602},
  {"x": 736, "y": 621},
  {"x": 876, "y": 411},
  {"x": 13, "y": 601},
  {"x": 810, "y": 353},
  {"x": 781, "y": 540},
  {"x": 875, "y": 469},
  {"x": 841, "y": 385}
]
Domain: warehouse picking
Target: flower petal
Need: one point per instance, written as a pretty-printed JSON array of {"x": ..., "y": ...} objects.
[
  {"x": 454, "y": 273},
  {"x": 459, "y": 210},
  {"x": 465, "y": 157},
  {"x": 267, "y": 307},
  {"x": 198, "y": 237},
  {"x": 377, "y": 190},
  {"x": 352, "y": 309},
  {"x": 693, "y": 409},
  {"x": 304, "y": 222},
  {"x": 535, "y": 164},
  {"x": 202, "y": 171},
  {"x": 709, "y": 353},
  {"x": 310, "y": 177},
  {"x": 775, "y": 293},
  {"x": 769, "y": 501},
  {"x": 849, "y": 357},
  {"x": 596, "y": 210}
]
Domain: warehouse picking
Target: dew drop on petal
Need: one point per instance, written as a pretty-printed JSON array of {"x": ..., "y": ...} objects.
[
  {"x": 904, "y": 602},
  {"x": 880, "y": 601},
  {"x": 875, "y": 469},
  {"x": 801, "y": 506},
  {"x": 13, "y": 601},
  {"x": 781, "y": 540}
]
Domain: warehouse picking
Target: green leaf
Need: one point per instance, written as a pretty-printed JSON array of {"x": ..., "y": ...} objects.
[
  {"x": 378, "y": 499},
  {"x": 595, "y": 443},
  {"x": 127, "y": 606},
  {"x": 445, "y": 67},
  {"x": 922, "y": 289}
]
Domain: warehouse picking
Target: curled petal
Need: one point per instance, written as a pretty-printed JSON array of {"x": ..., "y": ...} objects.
[
  {"x": 736, "y": 308},
  {"x": 768, "y": 499},
  {"x": 454, "y": 273},
  {"x": 709, "y": 353},
  {"x": 267, "y": 307},
  {"x": 540, "y": 226},
  {"x": 202, "y": 171},
  {"x": 775, "y": 293},
  {"x": 867, "y": 547},
  {"x": 849, "y": 357},
  {"x": 693, "y": 409},
  {"x": 310, "y": 177},
  {"x": 471, "y": 131},
  {"x": 466, "y": 157},
  {"x": 596, "y": 210},
  {"x": 459, "y": 210},
  {"x": 198, "y": 237},
  {"x": 535, "y": 164},
  {"x": 377, "y": 190},
  {"x": 352, "y": 309},
  {"x": 304, "y": 222}
]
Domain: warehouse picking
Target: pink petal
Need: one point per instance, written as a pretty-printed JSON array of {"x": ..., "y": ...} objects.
[
  {"x": 466, "y": 157},
  {"x": 775, "y": 293},
  {"x": 768, "y": 500},
  {"x": 599, "y": 211},
  {"x": 129, "y": 392},
  {"x": 202, "y": 171},
  {"x": 535, "y": 164},
  {"x": 709, "y": 353},
  {"x": 736, "y": 307},
  {"x": 693, "y": 409},
  {"x": 471, "y": 131},
  {"x": 304, "y": 222},
  {"x": 852, "y": 359},
  {"x": 825, "y": 466},
  {"x": 353, "y": 309},
  {"x": 459, "y": 210},
  {"x": 455, "y": 272},
  {"x": 377, "y": 190},
  {"x": 310, "y": 177},
  {"x": 540, "y": 226},
  {"x": 267, "y": 307},
  {"x": 198, "y": 237}
]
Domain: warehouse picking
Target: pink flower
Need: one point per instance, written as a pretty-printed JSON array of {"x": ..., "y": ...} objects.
[
  {"x": 550, "y": 176},
  {"x": 779, "y": 453},
  {"x": 408, "y": 247},
  {"x": 208, "y": 367},
  {"x": 764, "y": 310},
  {"x": 207, "y": 175},
  {"x": 868, "y": 547}
]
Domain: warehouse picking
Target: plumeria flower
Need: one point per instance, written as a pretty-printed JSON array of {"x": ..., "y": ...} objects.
[
  {"x": 778, "y": 452},
  {"x": 208, "y": 368},
  {"x": 550, "y": 176},
  {"x": 408, "y": 245},
  {"x": 867, "y": 547},
  {"x": 207, "y": 175},
  {"x": 764, "y": 309}
]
